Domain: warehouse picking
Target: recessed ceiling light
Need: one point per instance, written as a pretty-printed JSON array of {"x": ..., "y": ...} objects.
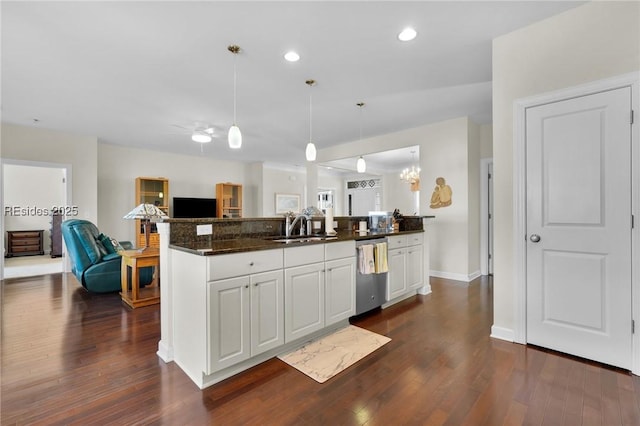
[
  {"x": 292, "y": 56},
  {"x": 407, "y": 34}
]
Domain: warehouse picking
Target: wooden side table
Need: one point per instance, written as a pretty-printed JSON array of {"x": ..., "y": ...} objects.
[{"x": 134, "y": 260}]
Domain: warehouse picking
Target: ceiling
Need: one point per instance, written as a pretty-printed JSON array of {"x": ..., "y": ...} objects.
[{"x": 141, "y": 74}]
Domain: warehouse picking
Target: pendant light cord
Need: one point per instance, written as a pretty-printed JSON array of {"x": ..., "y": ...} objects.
[
  {"x": 360, "y": 121},
  {"x": 235, "y": 79},
  {"x": 310, "y": 115}
]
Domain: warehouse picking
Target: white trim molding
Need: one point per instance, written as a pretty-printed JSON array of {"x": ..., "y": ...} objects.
[
  {"x": 455, "y": 276},
  {"x": 165, "y": 345},
  {"x": 502, "y": 333},
  {"x": 520, "y": 107},
  {"x": 484, "y": 215}
]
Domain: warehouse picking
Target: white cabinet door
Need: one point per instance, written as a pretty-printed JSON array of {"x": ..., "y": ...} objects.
[
  {"x": 396, "y": 278},
  {"x": 340, "y": 287},
  {"x": 229, "y": 316},
  {"x": 304, "y": 300},
  {"x": 267, "y": 311},
  {"x": 414, "y": 267}
]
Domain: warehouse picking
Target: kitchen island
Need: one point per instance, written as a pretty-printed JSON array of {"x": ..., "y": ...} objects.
[{"x": 230, "y": 304}]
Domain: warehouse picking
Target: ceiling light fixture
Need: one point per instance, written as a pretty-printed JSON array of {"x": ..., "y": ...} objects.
[
  {"x": 310, "y": 152},
  {"x": 407, "y": 34},
  {"x": 292, "y": 56},
  {"x": 361, "y": 165},
  {"x": 202, "y": 135},
  {"x": 235, "y": 137},
  {"x": 412, "y": 176}
]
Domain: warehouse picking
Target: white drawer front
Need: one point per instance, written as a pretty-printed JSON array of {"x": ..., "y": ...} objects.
[
  {"x": 414, "y": 239},
  {"x": 397, "y": 241},
  {"x": 303, "y": 255},
  {"x": 339, "y": 250},
  {"x": 237, "y": 264}
]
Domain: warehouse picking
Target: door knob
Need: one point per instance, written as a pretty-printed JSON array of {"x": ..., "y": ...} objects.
[{"x": 534, "y": 238}]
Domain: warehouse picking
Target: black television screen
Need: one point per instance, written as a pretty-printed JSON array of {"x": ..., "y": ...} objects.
[{"x": 184, "y": 207}]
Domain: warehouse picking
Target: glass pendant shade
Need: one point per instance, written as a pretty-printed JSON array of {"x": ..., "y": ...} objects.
[
  {"x": 310, "y": 152},
  {"x": 235, "y": 137},
  {"x": 361, "y": 166}
]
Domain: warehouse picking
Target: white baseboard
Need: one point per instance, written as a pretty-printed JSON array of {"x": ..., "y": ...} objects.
[
  {"x": 454, "y": 276},
  {"x": 425, "y": 289},
  {"x": 164, "y": 352},
  {"x": 502, "y": 333}
]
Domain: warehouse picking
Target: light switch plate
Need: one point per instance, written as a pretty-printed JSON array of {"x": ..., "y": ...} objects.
[{"x": 204, "y": 229}]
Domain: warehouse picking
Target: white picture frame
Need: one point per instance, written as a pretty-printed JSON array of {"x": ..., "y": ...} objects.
[{"x": 287, "y": 203}]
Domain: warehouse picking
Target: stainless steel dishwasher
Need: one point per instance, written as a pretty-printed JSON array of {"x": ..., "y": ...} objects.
[{"x": 371, "y": 289}]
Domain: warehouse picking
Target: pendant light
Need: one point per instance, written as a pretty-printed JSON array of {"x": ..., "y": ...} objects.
[
  {"x": 310, "y": 152},
  {"x": 361, "y": 165},
  {"x": 235, "y": 137}
]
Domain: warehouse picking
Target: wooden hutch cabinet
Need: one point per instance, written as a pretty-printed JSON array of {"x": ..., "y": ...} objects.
[
  {"x": 154, "y": 191},
  {"x": 229, "y": 199}
]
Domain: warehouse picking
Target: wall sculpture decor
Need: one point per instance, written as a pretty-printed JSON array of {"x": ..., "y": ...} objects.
[{"x": 441, "y": 196}]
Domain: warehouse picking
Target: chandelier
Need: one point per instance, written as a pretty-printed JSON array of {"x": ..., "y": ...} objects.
[{"x": 411, "y": 175}]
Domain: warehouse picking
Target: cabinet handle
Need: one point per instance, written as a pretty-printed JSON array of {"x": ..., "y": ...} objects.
[
  {"x": 250, "y": 263},
  {"x": 255, "y": 285},
  {"x": 246, "y": 286}
]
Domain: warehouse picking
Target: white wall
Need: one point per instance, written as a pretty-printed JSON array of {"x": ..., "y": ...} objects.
[
  {"x": 49, "y": 146},
  {"x": 189, "y": 176},
  {"x": 31, "y": 186},
  {"x": 591, "y": 42},
  {"x": 281, "y": 181},
  {"x": 448, "y": 158},
  {"x": 252, "y": 191},
  {"x": 473, "y": 178},
  {"x": 446, "y": 143},
  {"x": 486, "y": 141},
  {"x": 397, "y": 194}
]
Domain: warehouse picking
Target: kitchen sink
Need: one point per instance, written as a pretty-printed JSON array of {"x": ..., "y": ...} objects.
[{"x": 301, "y": 239}]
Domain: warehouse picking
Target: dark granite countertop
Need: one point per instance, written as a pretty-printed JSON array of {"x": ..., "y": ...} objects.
[{"x": 240, "y": 245}]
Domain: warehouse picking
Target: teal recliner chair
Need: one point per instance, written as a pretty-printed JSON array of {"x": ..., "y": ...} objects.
[{"x": 94, "y": 258}]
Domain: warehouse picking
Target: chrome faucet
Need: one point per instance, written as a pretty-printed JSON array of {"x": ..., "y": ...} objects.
[{"x": 299, "y": 218}]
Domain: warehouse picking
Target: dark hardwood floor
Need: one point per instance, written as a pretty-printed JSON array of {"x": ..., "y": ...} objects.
[{"x": 69, "y": 357}]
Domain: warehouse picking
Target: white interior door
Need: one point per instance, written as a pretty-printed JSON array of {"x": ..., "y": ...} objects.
[{"x": 579, "y": 226}]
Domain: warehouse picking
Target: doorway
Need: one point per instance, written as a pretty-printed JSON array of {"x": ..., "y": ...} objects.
[{"x": 31, "y": 191}]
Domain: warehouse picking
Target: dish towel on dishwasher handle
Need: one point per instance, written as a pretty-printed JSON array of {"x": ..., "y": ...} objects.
[
  {"x": 380, "y": 256},
  {"x": 366, "y": 262}
]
